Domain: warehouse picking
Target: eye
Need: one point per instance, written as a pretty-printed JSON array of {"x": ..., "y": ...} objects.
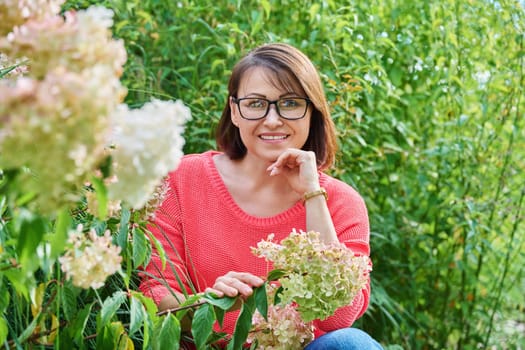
[
  {"x": 255, "y": 103},
  {"x": 289, "y": 103}
]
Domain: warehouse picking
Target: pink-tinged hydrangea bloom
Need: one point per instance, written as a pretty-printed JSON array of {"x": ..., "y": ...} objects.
[
  {"x": 90, "y": 260},
  {"x": 16, "y": 12},
  {"x": 147, "y": 145},
  {"x": 55, "y": 120},
  {"x": 58, "y": 128},
  {"x": 319, "y": 278},
  {"x": 77, "y": 41},
  {"x": 147, "y": 212},
  {"x": 284, "y": 329}
]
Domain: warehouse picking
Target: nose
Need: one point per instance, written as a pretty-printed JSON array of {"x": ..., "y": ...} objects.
[{"x": 273, "y": 116}]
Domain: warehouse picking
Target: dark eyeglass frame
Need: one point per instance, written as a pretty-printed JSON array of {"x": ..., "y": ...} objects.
[{"x": 237, "y": 101}]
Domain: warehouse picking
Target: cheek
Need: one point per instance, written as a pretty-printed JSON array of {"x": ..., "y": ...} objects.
[{"x": 306, "y": 127}]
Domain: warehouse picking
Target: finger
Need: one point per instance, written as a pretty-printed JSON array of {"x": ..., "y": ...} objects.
[
  {"x": 289, "y": 159},
  {"x": 214, "y": 291},
  {"x": 228, "y": 288},
  {"x": 242, "y": 283},
  {"x": 247, "y": 278}
]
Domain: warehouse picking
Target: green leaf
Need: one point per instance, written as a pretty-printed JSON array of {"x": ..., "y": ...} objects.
[
  {"x": 5, "y": 71},
  {"x": 261, "y": 300},
  {"x": 5, "y": 296},
  {"x": 31, "y": 233},
  {"x": 149, "y": 304},
  {"x": 202, "y": 325},
  {"x": 137, "y": 315},
  {"x": 122, "y": 236},
  {"x": 219, "y": 315},
  {"x": 224, "y": 303},
  {"x": 257, "y": 22},
  {"x": 277, "y": 297},
  {"x": 69, "y": 300},
  {"x": 158, "y": 248},
  {"x": 78, "y": 325},
  {"x": 150, "y": 316},
  {"x": 243, "y": 324},
  {"x": 110, "y": 336},
  {"x": 267, "y": 7},
  {"x": 124, "y": 343},
  {"x": 18, "y": 281},
  {"x": 167, "y": 333},
  {"x": 59, "y": 238},
  {"x": 29, "y": 329},
  {"x": 3, "y": 330},
  {"x": 221, "y": 305},
  {"x": 140, "y": 247},
  {"x": 274, "y": 275},
  {"x": 102, "y": 197},
  {"x": 110, "y": 307}
]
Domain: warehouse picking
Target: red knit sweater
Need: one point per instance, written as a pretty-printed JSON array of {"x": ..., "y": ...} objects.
[{"x": 205, "y": 234}]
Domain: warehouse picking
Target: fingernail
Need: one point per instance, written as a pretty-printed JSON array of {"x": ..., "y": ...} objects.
[{"x": 273, "y": 172}]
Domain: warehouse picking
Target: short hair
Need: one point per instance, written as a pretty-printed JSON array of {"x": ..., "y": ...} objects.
[{"x": 291, "y": 69}]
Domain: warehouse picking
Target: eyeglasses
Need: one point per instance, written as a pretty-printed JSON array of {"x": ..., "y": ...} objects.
[{"x": 255, "y": 108}]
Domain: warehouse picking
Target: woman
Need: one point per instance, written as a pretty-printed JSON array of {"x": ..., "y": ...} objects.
[{"x": 275, "y": 137}]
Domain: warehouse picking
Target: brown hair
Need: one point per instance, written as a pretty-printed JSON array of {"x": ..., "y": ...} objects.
[{"x": 291, "y": 68}]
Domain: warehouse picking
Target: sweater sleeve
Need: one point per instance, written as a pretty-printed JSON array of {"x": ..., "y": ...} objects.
[
  {"x": 158, "y": 280},
  {"x": 350, "y": 218}
]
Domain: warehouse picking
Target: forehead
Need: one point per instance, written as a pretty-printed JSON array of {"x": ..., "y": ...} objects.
[{"x": 260, "y": 78}]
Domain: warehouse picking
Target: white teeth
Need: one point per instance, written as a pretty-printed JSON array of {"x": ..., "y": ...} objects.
[{"x": 267, "y": 137}]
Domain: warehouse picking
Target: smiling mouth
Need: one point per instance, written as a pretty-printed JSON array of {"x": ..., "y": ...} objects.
[{"x": 273, "y": 137}]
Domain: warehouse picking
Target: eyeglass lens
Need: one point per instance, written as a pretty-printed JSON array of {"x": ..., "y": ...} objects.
[{"x": 257, "y": 108}]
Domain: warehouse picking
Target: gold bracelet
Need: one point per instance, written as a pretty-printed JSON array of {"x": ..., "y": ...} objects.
[{"x": 315, "y": 193}]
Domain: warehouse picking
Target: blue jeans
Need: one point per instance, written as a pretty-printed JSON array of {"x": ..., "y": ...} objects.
[{"x": 344, "y": 339}]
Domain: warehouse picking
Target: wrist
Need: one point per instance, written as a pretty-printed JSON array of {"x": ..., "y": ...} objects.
[{"x": 320, "y": 192}]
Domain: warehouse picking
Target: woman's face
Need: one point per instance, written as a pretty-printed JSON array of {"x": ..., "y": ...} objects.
[{"x": 268, "y": 137}]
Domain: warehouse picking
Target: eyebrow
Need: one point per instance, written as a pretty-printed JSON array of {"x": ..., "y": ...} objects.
[{"x": 288, "y": 94}]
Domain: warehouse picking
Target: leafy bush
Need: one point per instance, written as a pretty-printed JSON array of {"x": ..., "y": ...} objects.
[{"x": 428, "y": 100}]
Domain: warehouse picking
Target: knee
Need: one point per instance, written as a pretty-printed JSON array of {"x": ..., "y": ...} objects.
[{"x": 347, "y": 338}]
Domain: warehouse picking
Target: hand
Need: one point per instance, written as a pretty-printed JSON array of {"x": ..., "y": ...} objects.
[
  {"x": 299, "y": 167},
  {"x": 235, "y": 283}
]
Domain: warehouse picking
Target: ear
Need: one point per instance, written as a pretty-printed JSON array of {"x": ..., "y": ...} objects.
[{"x": 234, "y": 114}]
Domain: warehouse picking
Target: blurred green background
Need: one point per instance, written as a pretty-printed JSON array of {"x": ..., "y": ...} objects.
[{"x": 428, "y": 101}]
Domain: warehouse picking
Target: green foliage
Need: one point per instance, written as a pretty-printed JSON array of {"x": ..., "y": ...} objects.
[{"x": 428, "y": 101}]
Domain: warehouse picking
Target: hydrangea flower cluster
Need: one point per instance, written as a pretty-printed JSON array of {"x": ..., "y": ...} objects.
[
  {"x": 283, "y": 330},
  {"x": 91, "y": 259},
  {"x": 16, "y": 12},
  {"x": 56, "y": 119},
  {"x": 319, "y": 277},
  {"x": 58, "y": 128},
  {"x": 77, "y": 40},
  {"x": 147, "y": 212},
  {"x": 148, "y": 144}
]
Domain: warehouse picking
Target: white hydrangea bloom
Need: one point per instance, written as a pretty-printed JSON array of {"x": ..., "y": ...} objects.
[
  {"x": 147, "y": 145},
  {"x": 90, "y": 260}
]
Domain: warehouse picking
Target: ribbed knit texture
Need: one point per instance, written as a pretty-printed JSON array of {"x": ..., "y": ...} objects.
[{"x": 206, "y": 234}]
